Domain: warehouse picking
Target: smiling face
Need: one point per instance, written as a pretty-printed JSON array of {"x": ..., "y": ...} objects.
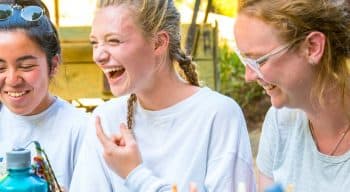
[
  {"x": 24, "y": 76},
  {"x": 287, "y": 76},
  {"x": 120, "y": 49}
]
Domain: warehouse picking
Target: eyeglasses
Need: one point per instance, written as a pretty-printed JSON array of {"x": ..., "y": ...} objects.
[
  {"x": 28, "y": 13},
  {"x": 255, "y": 64}
]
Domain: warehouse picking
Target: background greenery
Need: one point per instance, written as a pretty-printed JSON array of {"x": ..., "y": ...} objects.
[
  {"x": 223, "y": 7},
  {"x": 250, "y": 96},
  {"x": 232, "y": 78}
]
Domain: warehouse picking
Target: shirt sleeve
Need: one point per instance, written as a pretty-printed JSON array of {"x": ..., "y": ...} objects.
[
  {"x": 229, "y": 158},
  {"x": 79, "y": 135},
  {"x": 267, "y": 145},
  {"x": 90, "y": 174},
  {"x": 142, "y": 179}
]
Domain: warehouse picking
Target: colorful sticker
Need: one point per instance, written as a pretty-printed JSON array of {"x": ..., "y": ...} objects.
[{"x": 3, "y": 171}]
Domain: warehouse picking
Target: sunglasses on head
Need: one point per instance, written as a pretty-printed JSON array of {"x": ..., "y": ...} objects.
[{"x": 28, "y": 13}]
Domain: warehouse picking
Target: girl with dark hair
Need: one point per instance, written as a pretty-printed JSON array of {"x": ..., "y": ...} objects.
[{"x": 29, "y": 58}]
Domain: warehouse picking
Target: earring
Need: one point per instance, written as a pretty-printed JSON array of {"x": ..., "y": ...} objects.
[{"x": 312, "y": 62}]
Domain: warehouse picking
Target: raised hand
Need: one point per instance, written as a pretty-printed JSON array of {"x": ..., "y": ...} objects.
[
  {"x": 121, "y": 152},
  {"x": 193, "y": 187}
]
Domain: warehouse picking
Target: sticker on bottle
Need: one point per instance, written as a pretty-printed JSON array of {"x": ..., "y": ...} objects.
[{"x": 3, "y": 171}]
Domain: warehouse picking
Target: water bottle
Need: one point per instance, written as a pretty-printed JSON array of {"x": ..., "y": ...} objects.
[{"x": 20, "y": 178}]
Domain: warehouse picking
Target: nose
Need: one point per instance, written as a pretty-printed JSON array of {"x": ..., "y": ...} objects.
[
  {"x": 13, "y": 77},
  {"x": 100, "y": 55},
  {"x": 250, "y": 74}
]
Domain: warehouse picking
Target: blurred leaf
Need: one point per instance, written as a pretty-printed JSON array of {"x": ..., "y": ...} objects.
[
  {"x": 225, "y": 7},
  {"x": 232, "y": 79}
]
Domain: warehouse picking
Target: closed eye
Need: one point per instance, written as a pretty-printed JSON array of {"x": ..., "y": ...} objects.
[
  {"x": 93, "y": 42},
  {"x": 114, "y": 41},
  {"x": 27, "y": 67}
]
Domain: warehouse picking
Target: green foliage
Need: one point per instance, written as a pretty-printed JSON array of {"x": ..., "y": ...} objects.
[
  {"x": 225, "y": 7},
  {"x": 232, "y": 79}
]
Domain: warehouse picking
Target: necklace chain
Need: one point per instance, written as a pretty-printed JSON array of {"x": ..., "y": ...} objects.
[{"x": 336, "y": 145}]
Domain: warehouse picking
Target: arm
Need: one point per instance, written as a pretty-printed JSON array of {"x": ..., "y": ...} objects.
[
  {"x": 90, "y": 173},
  {"x": 264, "y": 181},
  {"x": 230, "y": 159},
  {"x": 79, "y": 135}
]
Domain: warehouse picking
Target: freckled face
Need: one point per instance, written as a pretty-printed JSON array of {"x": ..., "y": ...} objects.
[{"x": 24, "y": 76}]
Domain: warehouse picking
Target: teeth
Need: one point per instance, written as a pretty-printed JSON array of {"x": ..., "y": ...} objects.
[
  {"x": 16, "y": 94},
  {"x": 113, "y": 69}
]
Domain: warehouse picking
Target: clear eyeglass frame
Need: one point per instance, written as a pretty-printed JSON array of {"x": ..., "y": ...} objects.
[{"x": 255, "y": 64}]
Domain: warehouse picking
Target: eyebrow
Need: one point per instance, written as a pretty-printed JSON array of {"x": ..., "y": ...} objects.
[
  {"x": 26, "y": 57},
  {"x": 23, "y": 58},
  {"x": 249, "y": 54},
  {"x": 91, "y": 36}
]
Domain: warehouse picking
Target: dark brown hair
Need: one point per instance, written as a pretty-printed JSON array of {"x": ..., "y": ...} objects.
[{"x": 42, "y": 32}]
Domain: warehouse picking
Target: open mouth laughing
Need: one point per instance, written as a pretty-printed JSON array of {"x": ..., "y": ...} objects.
[{"x": 114, "y": 72}]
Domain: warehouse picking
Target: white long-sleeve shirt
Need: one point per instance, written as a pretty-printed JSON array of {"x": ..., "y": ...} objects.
[{"x": 202, "y": 139}]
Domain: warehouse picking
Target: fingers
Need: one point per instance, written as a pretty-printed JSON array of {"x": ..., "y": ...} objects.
[
  {"x": 173, "y": 188},
  {"x": 125, "y": 137},
  {"x": 118, "y": 139},
  {"x": 193, "y": 188},
  {"x": 127, "y": 134}
]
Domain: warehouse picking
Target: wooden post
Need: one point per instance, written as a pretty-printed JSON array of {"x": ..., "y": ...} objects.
[
  {"x": 57, "y": 13},
  {"x": 191, "y": 34},
  {"x": 216, "y": 62},
  {"x": 209, "y": 7}
]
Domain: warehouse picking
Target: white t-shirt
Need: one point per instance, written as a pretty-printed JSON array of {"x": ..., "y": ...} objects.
[
  {"x": 288, "y": 154},
  {"x": 59, "y": 130},
  {"x": 202, "y": 139}
]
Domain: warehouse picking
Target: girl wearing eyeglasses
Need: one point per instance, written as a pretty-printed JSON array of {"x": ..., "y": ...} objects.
[
  {"x": 162, "y": 129},
  {"x": 298, "y": 51},
  {"x": 29, "y": 58}
]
